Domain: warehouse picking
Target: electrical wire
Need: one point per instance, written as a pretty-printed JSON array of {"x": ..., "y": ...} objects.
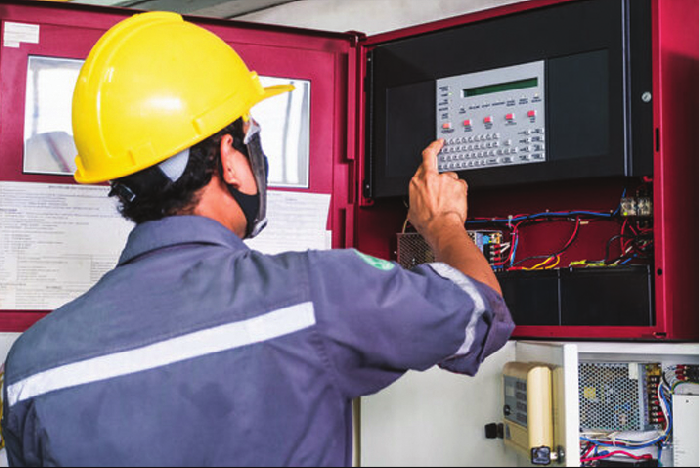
[
  {"x": 607, "y": 246},
  {"x": 571, "y": 240},
  {"x": 513, "y": 223},
  {"x": 610, "y": 440},
  {"x": 666, "y": 409},
  {"x": 679, "y": 383},
  {"x": 646, "y": 456},
  {"x": 617, "y": 210}
]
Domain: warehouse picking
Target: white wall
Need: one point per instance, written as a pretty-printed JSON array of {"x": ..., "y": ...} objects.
[
  {"x": 436, "y": 418},
  {"x": 368, "y": 16},
  {"x": 6, "y": 342}
]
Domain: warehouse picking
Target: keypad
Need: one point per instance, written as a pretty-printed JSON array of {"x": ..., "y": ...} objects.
[{"x": 489, "y": 149}]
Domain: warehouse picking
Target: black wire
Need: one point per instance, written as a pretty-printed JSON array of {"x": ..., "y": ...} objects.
[
  {"x": 663, "y": 376},
  {"x": 607, "y": 246},
  {"x": 546, "y": 216}
]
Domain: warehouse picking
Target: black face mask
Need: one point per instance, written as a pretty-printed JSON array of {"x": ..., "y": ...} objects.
[{"x": 250, "y": 205}]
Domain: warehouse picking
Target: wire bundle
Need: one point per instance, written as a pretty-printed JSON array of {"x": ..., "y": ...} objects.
[
  {"x": 635, "y": 242},
  {"x": 551, "y": 260},
  {"x": 664, "y": 391}
]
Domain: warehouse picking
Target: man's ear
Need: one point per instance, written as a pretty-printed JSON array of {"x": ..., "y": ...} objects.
[{"x": 228, "y": 162}]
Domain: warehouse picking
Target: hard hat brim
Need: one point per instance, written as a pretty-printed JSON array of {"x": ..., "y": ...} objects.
[{"x": 272, "y": 91}]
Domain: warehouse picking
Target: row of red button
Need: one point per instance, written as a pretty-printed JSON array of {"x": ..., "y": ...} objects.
[{"x": 489, "y": 120}]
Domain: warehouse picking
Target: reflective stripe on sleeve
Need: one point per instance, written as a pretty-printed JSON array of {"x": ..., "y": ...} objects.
[
  {"x": 227, "y": 337},
  {"x": 467, "y": 285}
]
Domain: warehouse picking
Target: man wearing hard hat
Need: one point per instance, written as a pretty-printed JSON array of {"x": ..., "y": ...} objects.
[{"x": 196, "y": 350}]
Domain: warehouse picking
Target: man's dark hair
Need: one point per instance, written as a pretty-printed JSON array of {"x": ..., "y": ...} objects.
[{"x": 150, "y": 195}]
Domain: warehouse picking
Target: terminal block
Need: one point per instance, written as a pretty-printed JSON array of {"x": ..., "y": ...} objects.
[{"x": 640, "y": 207}]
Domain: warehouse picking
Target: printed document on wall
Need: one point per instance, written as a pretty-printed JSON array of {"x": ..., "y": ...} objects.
[
  {"x": 296, "y": 222},
  {"x": 56, "y": 242}
]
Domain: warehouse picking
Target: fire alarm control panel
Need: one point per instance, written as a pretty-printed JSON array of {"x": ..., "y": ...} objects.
[{"x": 492, "y": 118}]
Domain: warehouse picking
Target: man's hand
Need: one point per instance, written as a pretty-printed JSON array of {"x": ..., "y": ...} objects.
[
  {"x": 436, "y": 200},
  {"x": 438, "y": 211}
]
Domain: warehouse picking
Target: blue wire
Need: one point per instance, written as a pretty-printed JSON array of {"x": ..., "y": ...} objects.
[
  {"x": 514, "y": 250},
  {"x": 624, "y": 192},
  {"x": 624, "y": 444},
  {"x": 658, "y": 457},
  {"x": 554, "y": 213},
  {"x": 667, "y": 403},
  {"x": 542, "y": 215}
]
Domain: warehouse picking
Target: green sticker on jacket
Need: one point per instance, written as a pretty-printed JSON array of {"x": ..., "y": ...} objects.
[{"x": 375, "y": 262}]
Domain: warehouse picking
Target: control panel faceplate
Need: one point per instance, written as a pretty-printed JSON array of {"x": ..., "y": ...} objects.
[{"x": 492, "y": 118}]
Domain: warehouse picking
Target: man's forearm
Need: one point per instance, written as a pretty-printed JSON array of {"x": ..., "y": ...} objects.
[{"x": 453, "y": 246}]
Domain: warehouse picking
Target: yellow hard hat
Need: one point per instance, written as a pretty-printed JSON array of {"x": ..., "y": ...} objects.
[{"x": 151, "y": 87}]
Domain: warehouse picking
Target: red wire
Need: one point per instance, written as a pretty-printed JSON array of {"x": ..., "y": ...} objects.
[
  {"x": 590, "y": 449},
  {"x": 625, "y": 246},
  {"x": 573, "y": 235},
  {"x": 622, "y": 239},
  {"x": 646, "y": 456},
  {"x": 516, "y": 233}
]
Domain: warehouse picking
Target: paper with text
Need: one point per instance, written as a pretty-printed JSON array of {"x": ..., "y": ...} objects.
[
  {"x": 56, "y": 241},
  {"x": 297, "y": 222}
]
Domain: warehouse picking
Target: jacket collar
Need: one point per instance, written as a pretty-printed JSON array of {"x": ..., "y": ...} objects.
[{"x": 178, "y": 230}]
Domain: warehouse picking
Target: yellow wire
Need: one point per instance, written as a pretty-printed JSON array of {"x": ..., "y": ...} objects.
[
  {"x": 549, "y": 259},
  {"x": 549, "y": 267},
  {"x": 586, "y": 263}
]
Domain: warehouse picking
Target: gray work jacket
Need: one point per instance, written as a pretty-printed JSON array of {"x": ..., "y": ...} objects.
[{"x": 196, "y": 351}]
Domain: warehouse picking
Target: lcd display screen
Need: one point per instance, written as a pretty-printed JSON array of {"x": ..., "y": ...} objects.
[{"x": 495, "y": 88}]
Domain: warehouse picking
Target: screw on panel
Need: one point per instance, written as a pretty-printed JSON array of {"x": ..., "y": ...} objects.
[{"x": 646, "y": 96}]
